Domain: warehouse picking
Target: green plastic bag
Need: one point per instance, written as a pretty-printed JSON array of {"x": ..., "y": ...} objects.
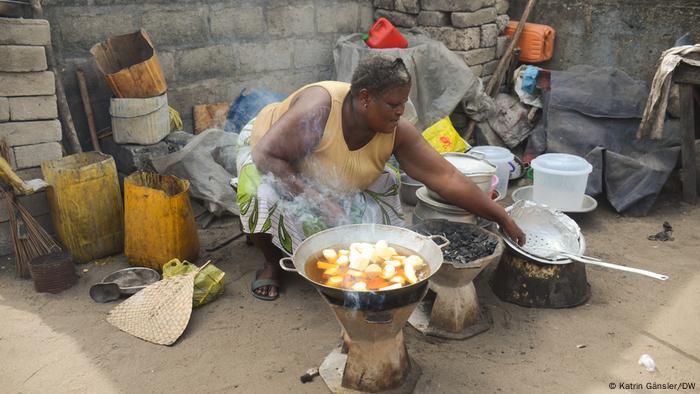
[{"x": 208, "y": 284}]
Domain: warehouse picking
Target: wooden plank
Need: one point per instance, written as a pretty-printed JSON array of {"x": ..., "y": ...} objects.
[
  {"x": 685, "y": 73},
  {"x": 689, "y": 174}
]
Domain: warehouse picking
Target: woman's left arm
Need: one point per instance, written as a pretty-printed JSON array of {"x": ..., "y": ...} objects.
[{"x": 424, "y": 164}]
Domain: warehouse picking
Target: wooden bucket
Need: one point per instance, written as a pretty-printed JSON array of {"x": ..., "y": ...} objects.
[
  {"x": 130, "y": 65},
  {"x": 158, "y": 220}
]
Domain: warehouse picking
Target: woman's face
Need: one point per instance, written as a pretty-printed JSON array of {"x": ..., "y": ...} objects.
[{"x": 383, "y": 112}]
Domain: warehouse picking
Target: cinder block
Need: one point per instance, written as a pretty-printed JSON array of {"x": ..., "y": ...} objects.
[
  {"x": 237, "y": 22},
  {"x": 476, "y": 69},
  {"x": 386, "y": 4},
  {"x": 277, "y": 55},
  {"x": 292, "y": 20},
  {"x": 81, "y": 30},
  {"x": 30, "y": 173},
  {"x": 312, "y": 53},
  {"x": 16, "y": 58},
  {"x": 400, "y": 19},
  {"x": 27, "y": 84},
  {"x": 456, "y": 5},
  {"x": 366, "y": 16},
  {"x": 24, "y": 31},
  {"x": 489, "y": 67},
  {"x": 30, "y": 133},
  {"x": 501, "y": 45},
  {"x": 456, "y": 39},
  {"x": 476, "y": 18},
  {"x": 489, "y": 35},
  {"x": 33, "y": 108},
  {"x": 337, "y": 18},
  {"x": 502, "y": 6},
  {"x": 176, "y": 26},
  {"x": 4, "y": 109},
  {"x": 35, "y": 203},
  {"x": 502, "y": 23},
  {"x": 33, "y": 155},
  {"x": 201, "y": 63},
  {"x": 433, "y": 18},
  {"x": 130, "y": 158},
  {"x": 408, "y": 6},
  {"x": 478, "y": 56}
]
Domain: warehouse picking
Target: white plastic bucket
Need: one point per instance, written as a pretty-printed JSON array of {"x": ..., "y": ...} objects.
[
  {"x": 140, "y": 121},
  {"x": 502, "y": 159},
  {"x": 560, "y": 180}
]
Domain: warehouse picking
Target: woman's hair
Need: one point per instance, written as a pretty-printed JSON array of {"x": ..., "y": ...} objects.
[{"x": 379, "y": 73}]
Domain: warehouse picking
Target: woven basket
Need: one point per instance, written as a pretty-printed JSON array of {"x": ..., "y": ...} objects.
[{"x": 53, "y": 272}]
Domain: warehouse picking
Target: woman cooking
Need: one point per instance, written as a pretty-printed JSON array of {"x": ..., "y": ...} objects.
[{"x": 319, "y": 159}]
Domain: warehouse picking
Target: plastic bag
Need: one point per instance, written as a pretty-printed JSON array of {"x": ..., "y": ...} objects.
[
  {"x": 208, "y": 284},
  {"x": 444, "y": 138}
]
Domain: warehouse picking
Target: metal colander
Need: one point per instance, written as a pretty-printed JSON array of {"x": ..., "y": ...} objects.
[{"x": 548, "y": 233}]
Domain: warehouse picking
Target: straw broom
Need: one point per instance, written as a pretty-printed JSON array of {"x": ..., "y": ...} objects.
[{"x": 29, "y": 239}]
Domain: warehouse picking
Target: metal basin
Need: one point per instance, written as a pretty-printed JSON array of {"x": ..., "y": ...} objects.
[
  {"x": 131, "y": 280},
  {"x": 422, "y": 245},
  {"x": 407, "y": 192}
]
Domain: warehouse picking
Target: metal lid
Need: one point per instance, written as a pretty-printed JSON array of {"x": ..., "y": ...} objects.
[
  {"x": 469, "y": 164},
  {"x": 422, "y": 195}
]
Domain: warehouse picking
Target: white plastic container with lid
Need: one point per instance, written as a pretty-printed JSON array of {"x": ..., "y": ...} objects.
[
  {"x": 560, "y": 180},
  {"x": 503, "y": 160}
]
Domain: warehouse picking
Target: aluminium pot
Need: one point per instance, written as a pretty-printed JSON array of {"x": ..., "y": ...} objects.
[
  {"x": 376, "y": 300},
  {"x": 473, "y": 166}
]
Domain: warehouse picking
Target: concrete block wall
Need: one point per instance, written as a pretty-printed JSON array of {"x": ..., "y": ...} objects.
[
  {"x": 470, "y": 28},
  {"x": 28, "y": 112},
  {"x": 210, "y": 51}
]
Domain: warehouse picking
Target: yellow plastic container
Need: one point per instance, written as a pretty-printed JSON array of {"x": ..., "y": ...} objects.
[
  {"x": 86, "y": 204},
  {"x": 158, "y": 220}
]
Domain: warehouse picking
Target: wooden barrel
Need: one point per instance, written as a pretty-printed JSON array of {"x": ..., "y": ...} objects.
[
  {"x": 86, "y": 204},
  {"x": 158, "y": 220}
]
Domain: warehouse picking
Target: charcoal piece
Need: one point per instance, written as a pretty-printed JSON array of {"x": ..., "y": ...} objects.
[{"x": 466, "y": 244}]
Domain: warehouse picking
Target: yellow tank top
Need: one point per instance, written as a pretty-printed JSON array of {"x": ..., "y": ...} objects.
[{"x": 332, "y": 163}]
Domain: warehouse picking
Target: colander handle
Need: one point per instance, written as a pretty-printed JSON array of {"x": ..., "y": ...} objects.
[
  {"x": 283, "y": 260},
  {"x": 441, "y": 238}
]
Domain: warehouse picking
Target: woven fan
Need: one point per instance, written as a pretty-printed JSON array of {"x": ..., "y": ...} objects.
[{"x": 160, "y": 312}]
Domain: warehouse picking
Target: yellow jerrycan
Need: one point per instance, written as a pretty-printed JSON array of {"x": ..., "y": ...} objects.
[
  {"x": 86, "y": 204},
  {"x": 158, "y": 220}
]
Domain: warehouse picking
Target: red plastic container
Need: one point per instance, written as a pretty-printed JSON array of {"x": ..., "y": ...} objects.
[{"x": 384, "y": 35}]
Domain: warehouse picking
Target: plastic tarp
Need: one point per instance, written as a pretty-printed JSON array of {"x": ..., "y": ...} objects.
[
  {"x": 208, "y": 161},
  {"x": 595, "y": 113},
  {"x": 441, "y": 79}
]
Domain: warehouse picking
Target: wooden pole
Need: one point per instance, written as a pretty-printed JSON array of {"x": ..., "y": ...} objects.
[
  {"x": 69, "y": 134},
  {"x": 85, "y": 96},
  {"x": 495, "y": 81}
]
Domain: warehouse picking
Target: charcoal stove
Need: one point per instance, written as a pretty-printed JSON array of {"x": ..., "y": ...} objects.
[
  {"x": 452, "y": 310},
  {"x": 529, "y": 283},
  {"x": 373, "y": 355}
]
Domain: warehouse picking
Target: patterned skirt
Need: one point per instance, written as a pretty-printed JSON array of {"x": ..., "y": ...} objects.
[{"x": 291, "y": 219}]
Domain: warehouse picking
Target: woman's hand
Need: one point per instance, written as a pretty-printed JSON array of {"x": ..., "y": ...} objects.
[{"x": 512, "y": 230}]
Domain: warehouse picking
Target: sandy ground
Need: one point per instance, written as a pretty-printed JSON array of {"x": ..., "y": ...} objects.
[{"x": 62, "y": 343}]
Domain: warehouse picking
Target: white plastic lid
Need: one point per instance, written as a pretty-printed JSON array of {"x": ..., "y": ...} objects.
[
  {"x": 494, "y": 152},
  {"x": 562, "y": 164},
  {"x": 469, "y": 165}
]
